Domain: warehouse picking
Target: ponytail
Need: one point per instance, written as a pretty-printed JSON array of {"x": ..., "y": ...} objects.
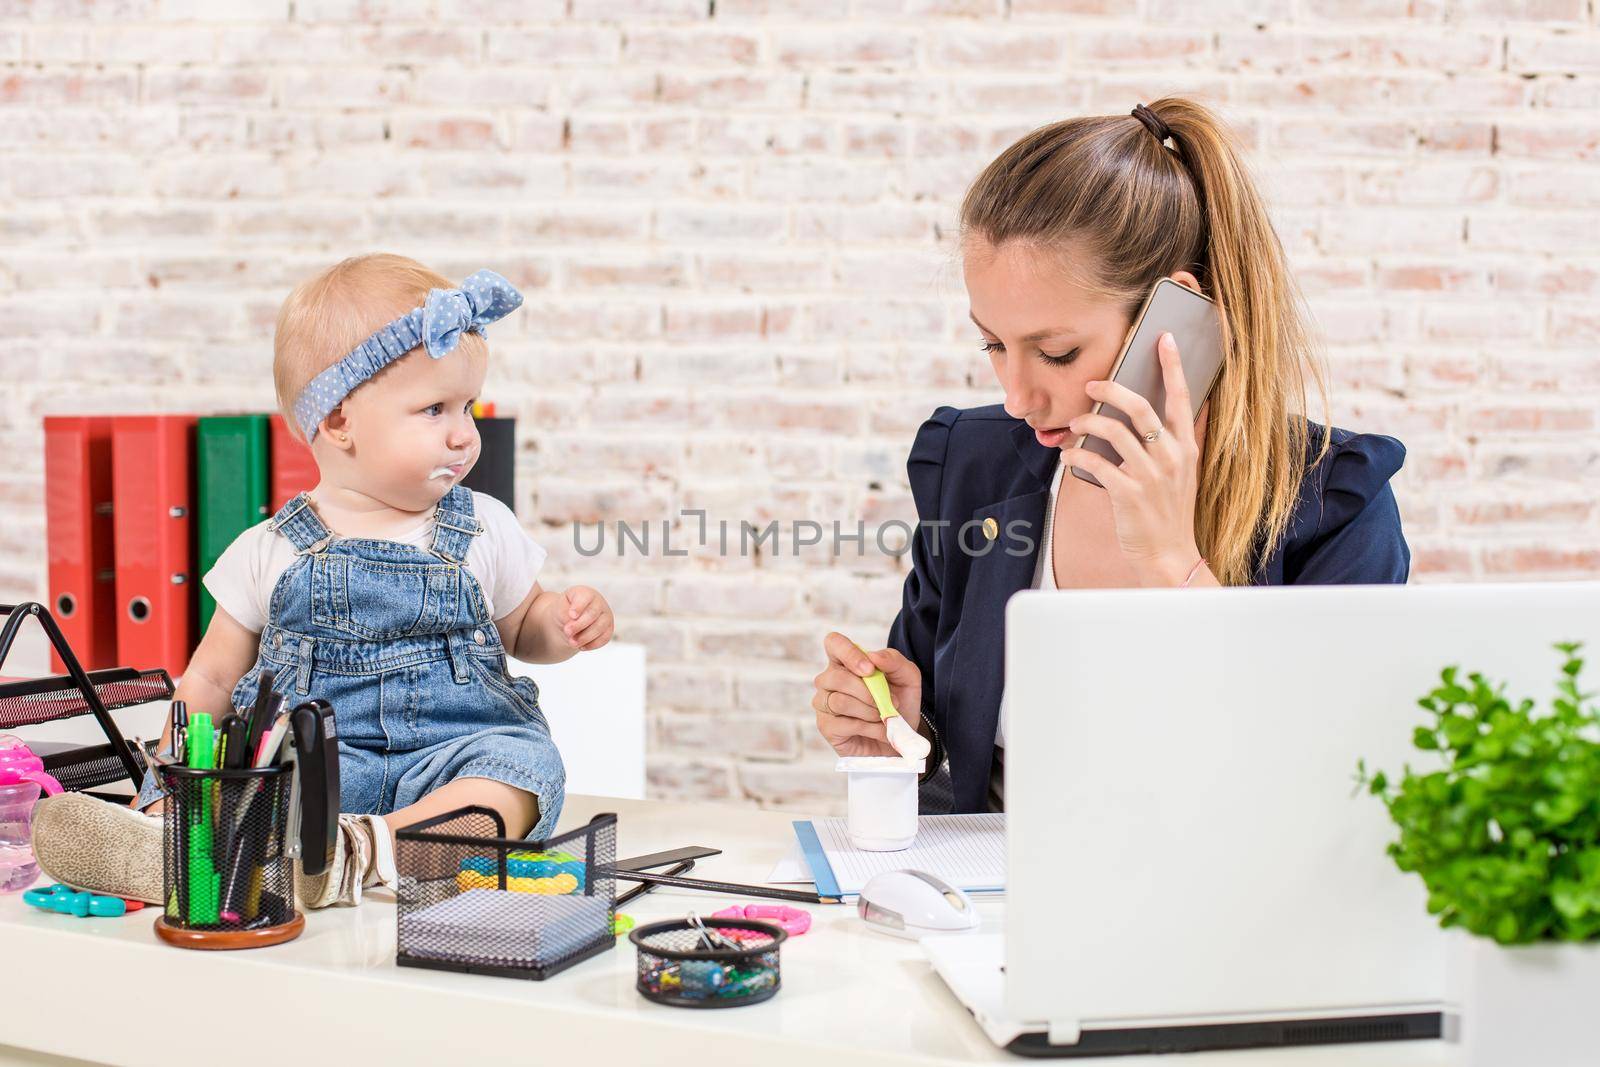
[{"x": 1256, "y": 447}]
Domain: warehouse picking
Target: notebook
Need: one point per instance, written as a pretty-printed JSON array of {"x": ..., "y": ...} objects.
[{"x": 967, "y": 851}]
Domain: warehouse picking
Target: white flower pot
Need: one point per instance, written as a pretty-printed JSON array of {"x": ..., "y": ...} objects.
[{"x": 1524, "y": 1004}]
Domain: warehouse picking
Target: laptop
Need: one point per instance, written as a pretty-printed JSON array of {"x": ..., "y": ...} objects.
[{"x": 1191, "y": 863}]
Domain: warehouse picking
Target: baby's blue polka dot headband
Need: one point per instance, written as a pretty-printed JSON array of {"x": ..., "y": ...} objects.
[{"x": 437, "y": 325}]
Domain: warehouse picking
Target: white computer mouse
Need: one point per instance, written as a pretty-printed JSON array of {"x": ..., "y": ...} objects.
[{"x": 915, "y": 904}]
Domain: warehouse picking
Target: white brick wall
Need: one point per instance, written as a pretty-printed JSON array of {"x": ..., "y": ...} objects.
[{"x": 733, "y": 224}]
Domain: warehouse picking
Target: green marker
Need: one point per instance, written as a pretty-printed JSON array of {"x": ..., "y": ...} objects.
[{"x": 203, "y": 887}]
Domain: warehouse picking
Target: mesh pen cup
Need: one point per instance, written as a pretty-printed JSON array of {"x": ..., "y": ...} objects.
[{"x": 227, "y": 876}]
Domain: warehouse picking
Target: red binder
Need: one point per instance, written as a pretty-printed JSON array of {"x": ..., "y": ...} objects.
[
  {"x": 294, "y": 470},
  {"x": 153, "y": 465},
  {"x": 78, "y": 531}
]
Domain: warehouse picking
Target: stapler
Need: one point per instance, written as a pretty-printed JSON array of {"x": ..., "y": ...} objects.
[{"x": 316, "y": 765}]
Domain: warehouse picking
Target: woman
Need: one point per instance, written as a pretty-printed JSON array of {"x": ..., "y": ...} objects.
[{"x": 1063, "y": 236}]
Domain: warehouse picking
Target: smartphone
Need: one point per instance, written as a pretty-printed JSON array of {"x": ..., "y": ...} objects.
[{"x": 1192, "y": 320}]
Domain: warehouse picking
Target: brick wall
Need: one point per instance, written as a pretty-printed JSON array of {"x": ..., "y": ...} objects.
[{"x": 733, "y": 225}]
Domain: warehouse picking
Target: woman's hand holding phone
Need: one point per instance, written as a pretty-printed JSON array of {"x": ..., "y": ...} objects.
[{"x": 1153, "y": 491}]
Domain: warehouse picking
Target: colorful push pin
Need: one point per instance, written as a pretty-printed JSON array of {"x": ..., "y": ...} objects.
[
  {"x": 663, "y": 977},
  {"x": 748, "y": 983},
  {"x": 702, "y": 976}
]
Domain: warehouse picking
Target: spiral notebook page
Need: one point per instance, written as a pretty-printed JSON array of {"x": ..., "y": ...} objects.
[{"x": 967, "y": 851}]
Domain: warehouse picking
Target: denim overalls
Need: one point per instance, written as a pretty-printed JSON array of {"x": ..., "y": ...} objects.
[{"x": 398, "y": 640}]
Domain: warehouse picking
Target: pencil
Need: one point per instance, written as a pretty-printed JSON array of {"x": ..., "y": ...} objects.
[{"x": 719, "y": 887}]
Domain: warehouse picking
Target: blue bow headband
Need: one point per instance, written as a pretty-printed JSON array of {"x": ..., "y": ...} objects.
[{"x": 437, "y": 325}]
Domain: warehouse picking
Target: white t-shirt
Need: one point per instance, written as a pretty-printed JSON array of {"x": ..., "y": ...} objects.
[
  {"x": 1044, "y": 577},
  {"x": 504, "y": 560}
]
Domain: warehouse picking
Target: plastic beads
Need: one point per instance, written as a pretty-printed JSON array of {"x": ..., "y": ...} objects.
[
  {"x": 525, "y": 864},
  {"x": 557, "y": 885}
]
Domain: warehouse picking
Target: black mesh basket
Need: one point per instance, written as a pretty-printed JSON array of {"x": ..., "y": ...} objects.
[
  {"x": 708, "y": 963},
  {"x": 225, "y": 862},
  {"x": 473, "y": 900}
]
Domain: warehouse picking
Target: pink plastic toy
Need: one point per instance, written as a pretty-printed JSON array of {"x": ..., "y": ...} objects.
[{"x": 795, "y": 921}]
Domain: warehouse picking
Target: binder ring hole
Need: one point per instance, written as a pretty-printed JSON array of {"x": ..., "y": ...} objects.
[
  {"x": 66, "y": 605},
  {"x": 138, "y": 609}
]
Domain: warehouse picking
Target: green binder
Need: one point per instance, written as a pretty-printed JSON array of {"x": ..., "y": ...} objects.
[{"x": 233, "y": 471}]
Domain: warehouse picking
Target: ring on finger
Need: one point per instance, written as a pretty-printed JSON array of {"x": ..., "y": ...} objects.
[{"x": 1151, "y": 437}]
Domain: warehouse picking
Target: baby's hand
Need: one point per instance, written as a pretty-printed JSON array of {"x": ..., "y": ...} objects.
[{"x": 585, "y": 618}]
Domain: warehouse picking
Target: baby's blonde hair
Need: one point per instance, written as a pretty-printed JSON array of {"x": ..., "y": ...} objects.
[{"x": 333, "y": 311}]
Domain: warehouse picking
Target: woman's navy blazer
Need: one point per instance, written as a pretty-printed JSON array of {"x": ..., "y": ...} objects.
[{"x": 971, "y": 465}]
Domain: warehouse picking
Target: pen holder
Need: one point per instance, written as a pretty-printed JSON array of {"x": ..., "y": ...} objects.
[
  {"x": 473, "y": 900},
  {"x": 227, "y": 875},
  {"x": 676, "y": 966}
]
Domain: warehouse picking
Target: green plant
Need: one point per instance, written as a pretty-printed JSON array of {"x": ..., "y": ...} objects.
[{"x": 1506, "y": 836}]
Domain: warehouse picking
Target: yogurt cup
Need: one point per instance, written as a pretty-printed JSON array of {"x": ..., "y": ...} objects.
[{"x": 881, "y": 812}]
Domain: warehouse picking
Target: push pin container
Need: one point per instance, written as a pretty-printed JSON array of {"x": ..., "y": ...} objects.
[{"x": 680, "y": 965}]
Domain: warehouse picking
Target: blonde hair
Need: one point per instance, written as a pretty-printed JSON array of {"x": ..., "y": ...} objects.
[
  {"x": 1139, "y": 211},
  {"x": 330, "y": 313}
]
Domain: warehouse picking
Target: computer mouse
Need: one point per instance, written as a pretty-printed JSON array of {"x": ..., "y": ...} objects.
[{"x": 914, "y": 904}]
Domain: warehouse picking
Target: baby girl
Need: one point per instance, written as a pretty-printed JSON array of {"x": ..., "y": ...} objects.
[{"x": 390, "y": 590}]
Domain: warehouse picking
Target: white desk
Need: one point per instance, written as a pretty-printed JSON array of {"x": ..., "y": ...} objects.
[{"x": 106, "y": 990}]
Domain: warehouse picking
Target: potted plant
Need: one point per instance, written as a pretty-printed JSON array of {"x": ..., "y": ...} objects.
[{"x": 1505, "y": 834}]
